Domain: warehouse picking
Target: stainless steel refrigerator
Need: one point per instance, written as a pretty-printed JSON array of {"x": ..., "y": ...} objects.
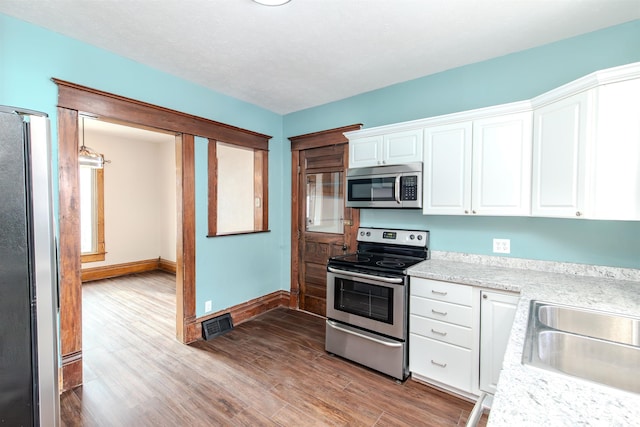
[{"x": 28, "y": 273}]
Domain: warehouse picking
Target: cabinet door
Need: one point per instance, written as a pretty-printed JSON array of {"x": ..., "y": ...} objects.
[
  {"x": 497, "y": 311},
  {"x": 502, "y": 165},
  {"x": 447, "y": 169},
  {"x": 559, "y": 157},
  {"x": 364, "y": 152},
  {"x": 402, "y": 147},
  {"x": 616, "y": 156}
]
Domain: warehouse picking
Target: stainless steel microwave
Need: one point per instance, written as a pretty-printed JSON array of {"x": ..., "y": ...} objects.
[{"x": 396, "y": 186}]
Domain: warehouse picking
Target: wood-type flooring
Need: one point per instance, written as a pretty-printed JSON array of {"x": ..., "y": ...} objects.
[{"x": 269, "y": 371}]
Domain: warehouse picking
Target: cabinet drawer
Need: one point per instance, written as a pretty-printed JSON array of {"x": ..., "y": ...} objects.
[
  {"x": 441, "y": 331},
  {"x": 440, "y": 361},
  {"x": 442, "y": 311},
  {"x": 441, "y": 291}
]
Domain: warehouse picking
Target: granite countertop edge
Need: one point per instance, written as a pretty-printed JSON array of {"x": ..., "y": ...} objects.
[{"x": 531, "y": 396}]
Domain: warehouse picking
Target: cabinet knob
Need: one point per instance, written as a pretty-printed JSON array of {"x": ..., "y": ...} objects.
[
  {"x": 473, "y": 212},
  {"x": 578, "y": 213},
  {"x": 466, "y": 212},
  {"x": 484, "y": 296}
]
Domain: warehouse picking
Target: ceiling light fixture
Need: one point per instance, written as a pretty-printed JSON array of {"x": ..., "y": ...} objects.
[
  {"x": 88, "y": 157},
  {"x": 272, "y": 2}
]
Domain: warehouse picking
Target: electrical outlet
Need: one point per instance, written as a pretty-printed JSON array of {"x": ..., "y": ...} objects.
[
  {"x": 501, "y": 246},
  {"x": 207, "y": 306}
]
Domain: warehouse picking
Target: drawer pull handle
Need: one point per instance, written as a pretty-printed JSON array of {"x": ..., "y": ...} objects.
[
  {"x": 441, "y": 313},
  {"x": 438, "y": 292},
  {"x": 442, "y": 365},
  {"x": 438, "y": 332}
]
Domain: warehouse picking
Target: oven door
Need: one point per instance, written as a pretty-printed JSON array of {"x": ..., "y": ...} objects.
[{"x": 371, "y": 302}]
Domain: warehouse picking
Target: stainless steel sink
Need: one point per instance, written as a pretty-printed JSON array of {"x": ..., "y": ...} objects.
[
  {"x": 588, "y": 344},
  {"x": 591, "y": 323}
]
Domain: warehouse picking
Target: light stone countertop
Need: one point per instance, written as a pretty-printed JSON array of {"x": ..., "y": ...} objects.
[{"x": 529, "y": 396}]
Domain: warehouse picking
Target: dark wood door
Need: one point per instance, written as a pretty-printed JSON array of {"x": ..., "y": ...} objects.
[{"x": 326, "y": 225}]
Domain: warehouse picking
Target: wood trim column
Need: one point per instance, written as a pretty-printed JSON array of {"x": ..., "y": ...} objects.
[
  {"x": 69, "y": 254},
  {"x": 186, "y": 328},
  {"x": 294, "y": 292}
]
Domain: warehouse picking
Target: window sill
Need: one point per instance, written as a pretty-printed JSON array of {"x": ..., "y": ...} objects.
[
  {"x": 237, "y": 233},
  {"x": 93, "y": 257}
]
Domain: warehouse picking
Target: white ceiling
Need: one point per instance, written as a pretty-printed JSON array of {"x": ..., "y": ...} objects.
[{"x": 310, "y": 52}]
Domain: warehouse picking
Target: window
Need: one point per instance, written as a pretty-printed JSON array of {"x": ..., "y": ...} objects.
[
  {"x": 238, "y": 182},
  {"x": 325, "y": 203},
  {"x": 91, "y": 214}
]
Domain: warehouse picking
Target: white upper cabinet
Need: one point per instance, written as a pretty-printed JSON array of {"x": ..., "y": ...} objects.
[
  {"x": 586, "y": 153},
  {"x": 615, "y": 159},
  {"x": 501, "y": 171},
  {"x": 366, "y": 151},
  {"x": 480, "y": 167},
  {"x": 576, "y": 156},
  {"x": 386, "y": 149},
  {"x": 559, "y": 157},
  {"x": 447, "y": 169},
  {"x": 402, "y": 147}
]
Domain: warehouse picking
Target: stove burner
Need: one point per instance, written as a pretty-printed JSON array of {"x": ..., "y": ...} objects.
[
  {"x": 390, "y": 263},
  {"x": 356, "y": 258}
]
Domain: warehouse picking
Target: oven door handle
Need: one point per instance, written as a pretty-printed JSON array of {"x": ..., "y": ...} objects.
[
  {"x": 397, "y": 280},
  {"x": 350, "y": 331}
]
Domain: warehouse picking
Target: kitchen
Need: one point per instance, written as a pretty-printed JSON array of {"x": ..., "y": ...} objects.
[{"x": 514, "y": 77}]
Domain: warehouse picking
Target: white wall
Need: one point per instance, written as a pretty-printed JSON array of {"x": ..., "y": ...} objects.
[
  {"x": 235, "y": 189},
  {"x": 139, "y": 198},
  {"x": 167, "y": 199}
]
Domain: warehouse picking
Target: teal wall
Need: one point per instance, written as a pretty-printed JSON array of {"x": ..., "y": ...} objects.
[
  {"x": 234, "y": 269},
  {"x": 30, "y": 56},
  {"x": 509, "y": 78}
]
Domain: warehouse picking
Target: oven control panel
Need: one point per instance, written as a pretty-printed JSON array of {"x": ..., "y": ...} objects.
[{"x": 418, "y": 238}]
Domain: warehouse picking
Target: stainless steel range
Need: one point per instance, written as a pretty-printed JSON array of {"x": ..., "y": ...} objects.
[{"x": 368, "y": 297}]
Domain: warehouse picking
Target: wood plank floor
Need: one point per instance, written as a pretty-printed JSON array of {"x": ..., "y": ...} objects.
[{"x": 270, "y": 371}]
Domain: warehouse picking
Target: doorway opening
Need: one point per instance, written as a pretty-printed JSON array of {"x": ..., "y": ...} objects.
[{"x": 128, "y": 208}]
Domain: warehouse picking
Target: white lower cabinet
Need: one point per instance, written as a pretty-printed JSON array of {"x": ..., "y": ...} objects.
[
  {"x": 497, "y": 311},
  {"x": 442, "y": 335},
  {"x": 442, "y": 362},
  {"x": 458, "y": 334}
]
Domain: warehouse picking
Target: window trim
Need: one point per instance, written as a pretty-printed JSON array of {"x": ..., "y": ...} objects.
[
  {"x": 260, "y": 187},
  {"x": 99, "y": 254}
]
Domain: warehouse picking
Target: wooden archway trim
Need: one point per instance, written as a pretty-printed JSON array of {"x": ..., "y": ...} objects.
[
  {"x": 323, "y": 138},
  {"x": 76, "y": 99},
  {"x": 103, "y": 104}
]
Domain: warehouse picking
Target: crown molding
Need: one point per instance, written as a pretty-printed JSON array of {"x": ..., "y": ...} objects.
[{"x": 590, "y": 81}]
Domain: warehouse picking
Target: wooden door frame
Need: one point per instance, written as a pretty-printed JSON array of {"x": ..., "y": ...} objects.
[
  {"x": 304, "y": 142},
  {"x": 74, "y": 100}
]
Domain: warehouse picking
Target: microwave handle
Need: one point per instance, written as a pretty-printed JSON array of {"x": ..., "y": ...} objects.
[{"x": 398, "y": 189}]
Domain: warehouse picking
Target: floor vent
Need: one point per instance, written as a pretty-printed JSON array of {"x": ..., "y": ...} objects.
[{"x": 217, "y": 326}]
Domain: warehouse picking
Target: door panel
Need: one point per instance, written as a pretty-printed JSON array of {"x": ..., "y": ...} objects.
[
  {"x": 322, "y": 219},
  {"x": 321, "y": 225}
]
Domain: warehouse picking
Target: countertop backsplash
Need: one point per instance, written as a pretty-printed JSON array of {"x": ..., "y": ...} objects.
[{"x": 575, "y": 269}]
